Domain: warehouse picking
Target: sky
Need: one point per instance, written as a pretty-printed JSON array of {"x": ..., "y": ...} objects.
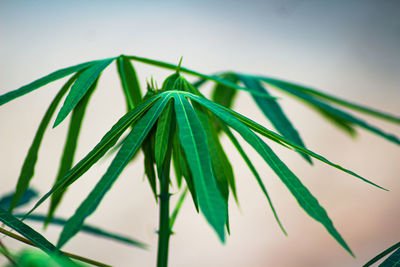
[{"x": 346, "y": 48}]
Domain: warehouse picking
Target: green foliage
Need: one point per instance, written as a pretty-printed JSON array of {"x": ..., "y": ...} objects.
[{"x": 178, "y": 123}]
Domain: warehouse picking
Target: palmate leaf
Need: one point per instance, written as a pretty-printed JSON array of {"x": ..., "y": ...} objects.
[
  {"x": 194, "y": 143},
  {"x": 129, "y": 82},
  {"x": 333, "y": 99},
  {"x": 43, "y": 81},
  {"x": 107, "y": 142},
  {"x": 305, "y": 199},
  {"x": 28, "y": 168},
  {"x": 339, "y": 113},
  {"x": 96, "y": 231},
  {"x": 80, "y": 87},
  {"x": 273, "y": 111},
  {"x": 37, "y": 239},
  {"x": 70, "y": 147},
  {"x": 128, "y": 149}
]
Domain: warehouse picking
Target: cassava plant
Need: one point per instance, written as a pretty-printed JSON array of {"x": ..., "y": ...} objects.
[{"x": 175, "y": 125}]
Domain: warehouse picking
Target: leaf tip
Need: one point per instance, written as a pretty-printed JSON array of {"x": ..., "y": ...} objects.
[{"x": 179, "y": 65}]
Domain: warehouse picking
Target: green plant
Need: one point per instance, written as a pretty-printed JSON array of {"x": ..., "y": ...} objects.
[{"x": 170, "y": 125}]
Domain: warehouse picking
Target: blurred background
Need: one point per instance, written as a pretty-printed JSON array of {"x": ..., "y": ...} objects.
[{"x": 346, "y": 48}]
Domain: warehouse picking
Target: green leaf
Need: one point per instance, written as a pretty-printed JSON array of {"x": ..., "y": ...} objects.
[
  {"x": 149, "y": 161},
  {"x": 383, "y": 254},
  {"x": 129, "y": 81},
  {"x": 69, "y": 148},
  {"x": 273, "y": 111},
  {"x": 305, "y": 199},
  {"x": 28, "y": 168},
  {"x": 213, "y": 78},
  {"x": 177, "y": 208},
  {"x": 33, "y": 258},
  {"x": 236, "y": 143},
  {"x": 128, "y": 149},
  {"x": 182, "y": 169},
  {"x": 87, "y": 229},
  {"x": 271, "y": 135},
  {"x": 107, "y": 142},
  {"x": 27, "y": 196},
  {"x": 43, "y": 81},
  {"x": 33, "y": 236},
  {"x": 194, "y": 143},
  {"x": 220, "y": 163},
  {"x": 80, "y": 87},
  {"x": 339, "y": 113},
  {"x": 339, "y": 122},
  {"x": 163, "y": 136},
  {"x": 331, "y": 98},
  {"x": 224, "y": 95},
  {"x": 393, "y": 260}
]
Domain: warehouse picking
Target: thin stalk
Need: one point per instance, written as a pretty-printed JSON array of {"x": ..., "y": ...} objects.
[
  {"x": 73, "y": 256},
  {"x": 164, "y": 231}
]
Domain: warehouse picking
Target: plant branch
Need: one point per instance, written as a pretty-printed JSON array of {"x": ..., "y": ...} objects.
[{"x": 73, "y": 256}]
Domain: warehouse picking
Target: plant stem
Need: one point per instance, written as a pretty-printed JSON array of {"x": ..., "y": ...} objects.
[{"x": 164, "y": 231}]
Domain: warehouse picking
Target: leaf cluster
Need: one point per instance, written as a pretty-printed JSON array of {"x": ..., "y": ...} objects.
[{"x": 176, "y": 124}]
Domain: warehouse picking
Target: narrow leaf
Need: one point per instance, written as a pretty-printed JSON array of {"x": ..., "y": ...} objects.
[
  {"x": 334, "y": 99},
  {"x": 28, "y": 168},
  {"x": 213, "y": 78},
  {"x": 70, "y": 148},
  {"x": 182, "y": 169},
  {"x": 163, "y": 136},
  {"x": 342, "y": 114},
  {"x": 107, "y": 142},
  {"x": 177, "y": 208},
  {"x": 33, "y": 236},
  {"x": 215, "y": 108},
  {"x": 194, "y": 143},
  {"x": 43, "y": 81},
  {"x": 339, "y": 122},
  {"x": 383, "y": 254},
  {"x": 149, "y": 162},
  {"x": 305, "y": 199},
  {"x": 273, "y": 111},
  {"x": 128, "y": 149},
  {"x": 87, "y": 229},
  {"x": 392, "y": 261},
  {"x": 236, "y": 143},
  {"x": 80, "y": 87},
  {"x": 129, "y": 81}
]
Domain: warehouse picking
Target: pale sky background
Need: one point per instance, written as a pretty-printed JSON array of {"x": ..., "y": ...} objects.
[{"x": 346, "y": 48}]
